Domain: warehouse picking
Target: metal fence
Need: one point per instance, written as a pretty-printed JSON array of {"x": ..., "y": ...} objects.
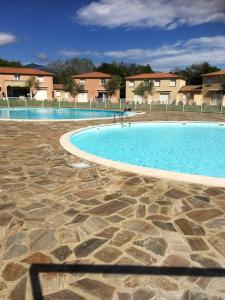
[{"x": 108, "y": 104}]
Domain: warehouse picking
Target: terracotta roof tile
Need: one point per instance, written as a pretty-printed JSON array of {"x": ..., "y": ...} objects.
[
  {"x": 93, "y": 75},
  {"x": 221, "y": 72},
  {"x": 154, "y": 76},
  {"x": 23, "y": 71}
]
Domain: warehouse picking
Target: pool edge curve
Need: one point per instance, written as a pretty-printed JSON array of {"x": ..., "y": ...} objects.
[{"x": 144, "y": 171}]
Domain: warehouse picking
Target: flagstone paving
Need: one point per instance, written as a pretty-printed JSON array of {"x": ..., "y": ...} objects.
[{"x": 54, "y": 213}]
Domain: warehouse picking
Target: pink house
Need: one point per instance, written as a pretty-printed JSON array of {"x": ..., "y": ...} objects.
[
  {"x": 13, "y": 83},
  {"x": 94, "y": 86}
]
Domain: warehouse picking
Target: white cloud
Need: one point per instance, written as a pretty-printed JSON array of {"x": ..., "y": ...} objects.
[
  {"x": 166, "y": 57},
  {"x": 182, "y": 53},
  {"x": 164, "y": 14},
  {"x": 75, "y": 53},
  {"x": 70, "y": 53},
  {"x": 41, "y": 56},
  {"x": 7, "y": 38}
]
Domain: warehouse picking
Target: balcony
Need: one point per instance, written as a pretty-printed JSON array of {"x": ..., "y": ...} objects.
[
  {"x": 22, "y": 83},
  {"x": 16, "y": 83},
  {"x": 211, "y": 87}
]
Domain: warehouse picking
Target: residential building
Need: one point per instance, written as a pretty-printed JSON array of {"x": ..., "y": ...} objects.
[
  {"x": 13, "y": 83},
  {"x": 212, "y": 88},
  {"x": 165, "y": 90},
  {"x": 59, "y": 93},
  {"x": 94, "y": 87},
  {"x": 190, "y": 94}
]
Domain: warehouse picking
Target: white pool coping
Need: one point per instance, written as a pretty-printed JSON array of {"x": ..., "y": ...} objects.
[
  {"x": 152, "y": 172},
  {"x": 131, "y": 114}
]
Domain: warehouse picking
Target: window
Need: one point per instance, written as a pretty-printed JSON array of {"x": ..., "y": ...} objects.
[
  {"x": 156, "y": 82},
  {"x": 130, "y": 83},
  {"x": 215, "y": 99},
  {"x": 58, "y": 94},
  {"x": 102, "y": 81},
  {"x": 40, "y": 78},
  {"x": 82, "y": 82},
  {"x": 208, "y": 80},
  {"x": 17, "y": 77},
  {"x": 172, "y": 82},
  {"x": 146, "y": 82}
]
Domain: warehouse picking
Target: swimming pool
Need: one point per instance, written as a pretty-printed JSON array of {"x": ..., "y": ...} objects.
[
  {"x": 55, "y": 114},
  {"x": 183, "y": 148}
]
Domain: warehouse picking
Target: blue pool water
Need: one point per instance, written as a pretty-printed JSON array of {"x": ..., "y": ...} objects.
[
  {"x": 194, "y": 148},
  {"x": 54, "y": 113}
]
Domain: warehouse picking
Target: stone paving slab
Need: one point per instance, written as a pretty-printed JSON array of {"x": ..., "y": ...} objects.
[{"x": 54, "y": 213}]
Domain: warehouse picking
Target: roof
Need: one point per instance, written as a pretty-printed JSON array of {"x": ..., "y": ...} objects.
[
  {"x": 58, "y": 86},
  {"x": 154, "y": 76},
  {"x": 221, "y": 72},
  {"x": 191, "y": 88},
  {"x": 23, "y": 71},
  {"x": 93, "y": 75}
]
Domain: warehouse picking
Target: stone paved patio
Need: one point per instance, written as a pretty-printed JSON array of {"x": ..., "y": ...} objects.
[{"x": 52, "y": 213}]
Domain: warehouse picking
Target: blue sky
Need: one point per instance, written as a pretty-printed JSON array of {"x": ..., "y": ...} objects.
[{"x": 163, "y": 33}]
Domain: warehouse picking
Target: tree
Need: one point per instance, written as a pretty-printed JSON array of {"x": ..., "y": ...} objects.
[
  {"x": 112, "y": 85},
  {"x": 8, "y": 63},
  {"x": 33, "y": 85},
  {"x": 71, "y": 86},
  {"x": 123, "y": 70},
  {"x": 193, "y": 73},
  {"x": 64, "y": 69},
  {"x": 144, "y": 89},
  {"x": 79, "y": 66}
]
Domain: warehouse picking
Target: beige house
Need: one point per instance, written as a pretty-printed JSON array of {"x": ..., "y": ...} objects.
[
  {"x": 59, "y": 93},
  {"x": 190, "y": 94},
  {"x": 166, "y": 87},
  {"x": 94, "y": 86},
  {"x": 13, "y": 83},
  {"x": 211, "y": 88}
]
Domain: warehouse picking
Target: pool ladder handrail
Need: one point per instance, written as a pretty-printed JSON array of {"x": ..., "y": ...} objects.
[{"x": 121, "y": 117}]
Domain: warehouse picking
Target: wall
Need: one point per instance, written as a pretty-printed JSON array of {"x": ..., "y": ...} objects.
[
  {"x": 198, "y": 99},
  {"x": 210, "y": 87},
  {"x": 164, "y": 87},
  {"x": 64, "y": 96},
  {"x": 191, "y": 97},
  {"x": 93, "y": 85},
  {"x": 48, "y": 83}
]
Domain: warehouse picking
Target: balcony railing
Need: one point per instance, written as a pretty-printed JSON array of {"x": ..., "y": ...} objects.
[{"x": 22, "y": 83}]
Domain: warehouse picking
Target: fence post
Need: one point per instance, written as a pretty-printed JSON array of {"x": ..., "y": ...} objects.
[
  {"x": 7, "y": 99},
  {"x": 221, "y": 108},
  {"x": 166, "y": 106},
  {"x": 105, "y": 103},
  {"x": 201, "y": 108},
  {"x": 150, "y": 105},
  {"x": 25, "y": 100},
  {"x": 120, "y": 104},
  {"x": 59, "y": 103},
  {"x": 183, "y": 107},
  {"x": 90, "y": 103},
  {"x": 135, "y": 105}
]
